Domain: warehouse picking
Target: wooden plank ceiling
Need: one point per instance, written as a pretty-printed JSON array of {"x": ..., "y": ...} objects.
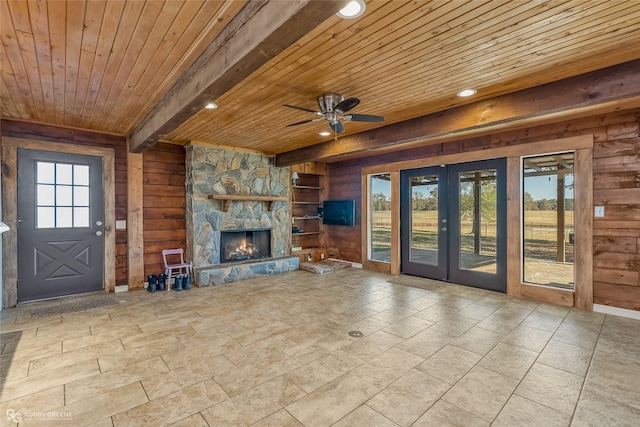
[{"x": 103, "y": 65}]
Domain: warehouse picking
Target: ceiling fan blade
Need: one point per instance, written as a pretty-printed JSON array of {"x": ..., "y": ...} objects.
[
  {"x": 346, "y": 105},
  {"x": 302, "y": 122},
  {"x": 363, "y": 118},
  {"x": 302, "y": 108},
  {"x": 337, "y": 126}
]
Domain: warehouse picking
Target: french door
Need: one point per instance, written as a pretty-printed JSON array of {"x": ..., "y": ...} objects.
[
  {"x": 61, "y": 224},
  {"x": 453, "y": 223}
]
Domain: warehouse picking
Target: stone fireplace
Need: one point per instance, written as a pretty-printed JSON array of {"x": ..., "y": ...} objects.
[{"x": 226, "y": 192}]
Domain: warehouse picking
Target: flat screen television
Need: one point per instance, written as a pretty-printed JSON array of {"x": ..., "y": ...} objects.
[{"x": 339, "y": 212}]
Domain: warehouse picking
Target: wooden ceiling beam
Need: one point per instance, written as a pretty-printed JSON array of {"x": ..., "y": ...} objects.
[
  {"x": 553, "y": 100},
  {"x": 259, "y": 32}
]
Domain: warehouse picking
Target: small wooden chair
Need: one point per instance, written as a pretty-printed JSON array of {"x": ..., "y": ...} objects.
[{"x": 176, "y": 267}]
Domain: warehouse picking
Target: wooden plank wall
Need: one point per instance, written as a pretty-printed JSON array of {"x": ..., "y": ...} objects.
[
  {"x": 19, "y": 129},
  {"x": 164, "y": 203},
  {"x": 616, "y": 186}
]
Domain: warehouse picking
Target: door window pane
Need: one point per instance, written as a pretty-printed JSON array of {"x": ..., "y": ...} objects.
[
  {"x": 46, "y": 195},
  {"x": 80, "y": 217},
  {"x": 62, "y": 195},
  {"x": 380, "y": 225},
  {"x": 80, "y": 175},
  {"x": 548, "y": 235},
  {"x": 64, "y": 173},
  {"x": 46, "y": 173},
  {"x": 46, "y": 217},
  {"x": 424, "y": 219},
  {"x": 478, "y": 225}
]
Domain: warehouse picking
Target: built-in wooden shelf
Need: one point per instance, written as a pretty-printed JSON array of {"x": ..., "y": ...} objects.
[
  {"x": 306, "y": 233},
  {"x": 306, "y": 217},
  {"x": 306, "y": 187},
  {"x": 307, "y": 203},
  {"x": 228, "y": 198}
]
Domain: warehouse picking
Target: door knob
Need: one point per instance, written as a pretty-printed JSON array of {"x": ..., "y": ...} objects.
[
  {"x": 98, "y": 233},
  {"x": 444, "y": 229}
]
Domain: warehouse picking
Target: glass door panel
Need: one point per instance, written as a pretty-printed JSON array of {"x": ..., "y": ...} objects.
[
  {"x": 423, "y": 215},
  {"x": 478, "y": 226}
]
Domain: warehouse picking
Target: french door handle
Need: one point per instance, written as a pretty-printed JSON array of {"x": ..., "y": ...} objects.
[{"x": 444, "y": 229}]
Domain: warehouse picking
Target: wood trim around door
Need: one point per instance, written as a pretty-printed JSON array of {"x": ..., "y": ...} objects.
[{"x": 10, "y": 147}]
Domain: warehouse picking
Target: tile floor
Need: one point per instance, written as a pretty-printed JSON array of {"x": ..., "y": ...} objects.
[{"x": 277, "y": 352}]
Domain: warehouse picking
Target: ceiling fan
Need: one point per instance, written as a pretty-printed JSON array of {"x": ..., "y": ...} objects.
[{"x": 333, "y": 107}]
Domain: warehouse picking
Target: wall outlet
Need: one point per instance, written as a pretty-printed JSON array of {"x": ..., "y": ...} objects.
[
  {"x": 121, "y": 224},
  {"x": 599, "y": 213},
  {"x": 321, "y": 255}
]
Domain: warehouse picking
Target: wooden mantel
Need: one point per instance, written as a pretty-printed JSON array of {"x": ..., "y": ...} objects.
[{"x": 227, "y": 198}]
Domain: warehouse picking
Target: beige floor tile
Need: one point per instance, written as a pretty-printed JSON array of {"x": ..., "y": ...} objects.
[
  {"x": 105, "y": 422},
  {"x": 63, "y": 331},
  {"x": 71, "y": 357},
  {"x": 364, "y": 416},
  {"x": 481, "y": 392},
  {"x": 578, "y": 335},
  {"x": 302, "y": 334},
  {"x": 42, "y": 401},
  {"x": 386, "y": 368},
  {"x": 478, "y": 340},
  {"x": 436, "y": 313},
  {"x": 551, "y": 387},
  {"x": 529, "y": 338},
  {"x": 241, "y": 379},
  {"x": 173, "y": 407},
  {"x": 194, "y": 420},
  {"x": 323, "y": 370},
  {"x": 394, "y": 314},
  {"x": 263, "y": 332},
  {"x": 398, "y": 401},
  {"x": 371, "y": 346},
  {"x": 259, "y": 350},
  {"x": 102, "y": 383},
  {"x": 139, "y": 354},
  {"x": 332, "y": 401},
  {"x": 308, "y": 351},
  {"x": 29, "y": 324},
  {"x": 476, "y": 311},
  {"x": 278, "y": 419},
  {"x": 421, "y": 303},
  {"x": 254, "y": 404},
  {"x": 553, "y": 310},
  {"x": 212, "y": 348},
  {"x": 443, "y": 414},
  {"x": 426, "y": 343},
  {"x": 35, "y": 383},
  {"x": 455, "y": 325},
  {"x": 12, "y": 369},
  {"x": 184, "y": 376},
  {"x": 450, "y": 364},
  {"x": 89, "y": 340},
  {"x": 31, "y": 348},
  {"x": 596, "y": 410},
  {"x": 406, "y": 328},
  {"x": 611, "y": 375},
  {"x": 146, "y": 339},
  {"x": 98, "y": 407},
  {"x": 524, "y": 413},
  {"x": 546, "y": 322},
  {"x": 509, "y": 360},
  {"x": 567, "y": 357}
]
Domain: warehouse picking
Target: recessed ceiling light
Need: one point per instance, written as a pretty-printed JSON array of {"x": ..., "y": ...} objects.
[
  {"x": 352, "y": 10},
  {"x": 467, "y": 92},
  {"x": 324, "y": 133},
  {"x": 211, "y": 106}
]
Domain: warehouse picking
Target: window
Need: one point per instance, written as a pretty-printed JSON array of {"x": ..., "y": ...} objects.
[
  {"x": 548, "y": 220},
  {"x": 380, "y": 218},
  {"x": 62, "y": 195}
]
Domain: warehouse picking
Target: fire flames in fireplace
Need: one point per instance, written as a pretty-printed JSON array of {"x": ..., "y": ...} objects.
[
  {"x": 242, "y": 245},
  {"x": 242, "y": 252}
]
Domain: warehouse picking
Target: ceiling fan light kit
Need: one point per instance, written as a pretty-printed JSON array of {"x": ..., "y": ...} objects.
[{"x": 332, "y": 109}]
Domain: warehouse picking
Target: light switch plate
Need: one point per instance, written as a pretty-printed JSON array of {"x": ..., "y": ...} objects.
[
  {"x": 121, "y": 224},
  {"x": 599, "y": 213}
]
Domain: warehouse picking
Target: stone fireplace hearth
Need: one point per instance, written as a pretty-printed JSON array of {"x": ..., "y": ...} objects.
[{"x": 219, "y": 172}]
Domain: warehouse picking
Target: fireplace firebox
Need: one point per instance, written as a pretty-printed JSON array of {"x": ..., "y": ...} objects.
[{"x": 242, "y": 245}]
